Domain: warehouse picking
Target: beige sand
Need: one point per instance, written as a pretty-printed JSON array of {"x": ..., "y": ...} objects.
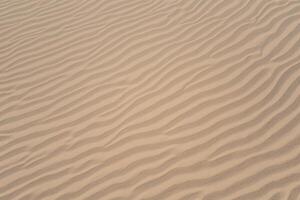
[{"x": 150, "y": 100}]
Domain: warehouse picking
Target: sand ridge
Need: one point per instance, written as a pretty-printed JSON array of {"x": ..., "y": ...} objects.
[{"x": 150, "y": 100}]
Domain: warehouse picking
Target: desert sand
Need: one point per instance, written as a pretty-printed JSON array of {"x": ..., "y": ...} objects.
[{"x": 150, "y": 100}]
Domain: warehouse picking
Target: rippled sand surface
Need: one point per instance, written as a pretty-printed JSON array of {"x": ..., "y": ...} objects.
[{"x": 150, "y": 100}]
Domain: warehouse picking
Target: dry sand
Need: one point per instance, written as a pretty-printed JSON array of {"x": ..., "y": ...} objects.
[{"x": 150, "y": 100}]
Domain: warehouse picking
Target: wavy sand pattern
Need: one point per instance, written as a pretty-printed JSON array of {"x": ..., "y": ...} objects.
[{"x": 150, "y": 100}]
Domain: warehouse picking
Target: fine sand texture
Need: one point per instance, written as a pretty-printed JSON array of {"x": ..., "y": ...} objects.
[{"x": 149, "y": 99}]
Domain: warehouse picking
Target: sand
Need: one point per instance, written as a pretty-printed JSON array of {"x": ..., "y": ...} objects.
[{"x": 150, "y": 100}]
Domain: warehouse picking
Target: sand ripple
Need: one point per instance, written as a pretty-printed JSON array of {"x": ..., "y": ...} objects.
[{"x": 150, "y": 100}]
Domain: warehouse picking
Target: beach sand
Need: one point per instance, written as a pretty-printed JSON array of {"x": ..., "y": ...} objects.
[{"x": 150, "y": 100}]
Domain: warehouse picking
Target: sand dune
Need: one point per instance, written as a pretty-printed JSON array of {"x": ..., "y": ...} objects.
[{"x": 150, "y": 100}]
